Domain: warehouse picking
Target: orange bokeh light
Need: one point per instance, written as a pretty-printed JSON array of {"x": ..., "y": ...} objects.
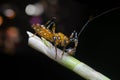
[{"x": 1, "y": 20}]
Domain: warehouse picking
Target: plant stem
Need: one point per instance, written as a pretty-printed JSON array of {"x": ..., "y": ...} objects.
[{"x": 42, "y": 45}]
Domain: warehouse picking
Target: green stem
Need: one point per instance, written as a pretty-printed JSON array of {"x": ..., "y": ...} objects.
[{"x": 42, "y": 45}]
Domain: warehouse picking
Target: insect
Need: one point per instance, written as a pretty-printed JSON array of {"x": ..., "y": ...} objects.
[{"x": 59, "y": 39}]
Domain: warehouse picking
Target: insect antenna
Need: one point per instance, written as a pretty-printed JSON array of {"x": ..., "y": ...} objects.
[
  {"x": 83, "y": 27},
  {"x": 92, "y": 18}
]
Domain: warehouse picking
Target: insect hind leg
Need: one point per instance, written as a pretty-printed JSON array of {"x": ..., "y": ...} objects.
[{"x": 50, "y": 22}]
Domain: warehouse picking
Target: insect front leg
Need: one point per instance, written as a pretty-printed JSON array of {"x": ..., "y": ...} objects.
[
  {"x": 71, "y": 36},
  {"x": 71, "y": 51},
  {"x": 76, "y": 41}
]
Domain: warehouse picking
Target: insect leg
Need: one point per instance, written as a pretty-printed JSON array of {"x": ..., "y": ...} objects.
[
  {"x": 55, "y": 52},
  {"x": 72, "y": 34},
  {"x": 53, "y": 28},
  {"x": 48, "y": 26},
  {"x": 50, "y": 22},
  {"x": 71, "y": 51},
  {"x": 54, "y": 38},
  {"x": 64, "y": 48},
  {"x": 76, "y": 40}
]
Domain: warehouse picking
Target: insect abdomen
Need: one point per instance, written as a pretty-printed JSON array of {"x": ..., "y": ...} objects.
[{"x": 43, "y": 32}]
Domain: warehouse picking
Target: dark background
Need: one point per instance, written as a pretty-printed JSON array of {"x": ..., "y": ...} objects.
[{"x": 98, "y": 44}]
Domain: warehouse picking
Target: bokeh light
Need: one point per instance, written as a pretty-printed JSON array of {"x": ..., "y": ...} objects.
[
  {"x": 30, "y": 9},
  {"x": 12, "y": 37},
  {"x": 1, "y": 20},
  {"x": 34, "y": 10},
  {"x": 1, "y": 39},
  {"x": 10, "y": 13}
]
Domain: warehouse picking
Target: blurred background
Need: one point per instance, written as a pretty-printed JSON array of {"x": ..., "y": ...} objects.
[{"x": 98, "y": 44}]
